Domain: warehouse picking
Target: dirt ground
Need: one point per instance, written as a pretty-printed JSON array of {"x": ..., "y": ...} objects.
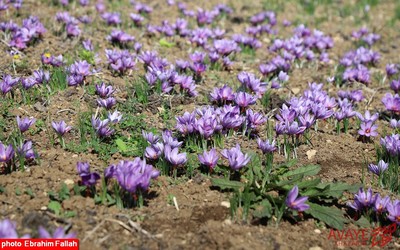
[{"x": 201, "y": 219}]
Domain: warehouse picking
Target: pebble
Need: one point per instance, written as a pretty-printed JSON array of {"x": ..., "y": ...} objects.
[
  {"x": 227, "y": 222},
  {"x": 44, "y": 208},
  {"x": 69, "y": 182},
  {"x": 311, "y": 153},
  {"x": 226, "y": 204},
  {"x": 316, "y": 248},
  {"x": 317, "y": 231}
]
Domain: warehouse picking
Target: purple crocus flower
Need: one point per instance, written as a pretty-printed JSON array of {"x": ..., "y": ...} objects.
[
  {"x": 60, "y": 127},
  {"x": 133, "y": 175},
  {"x": 88, "y": 178},
  {"x": 222, "y": 95},
  {"x": 104, "y": 90},
  {"x": 254, "y": 119},
  {"x": 225, "y": 47},
  {"x": 392, "y": 69},
  {"x": 59, "y": 233},
  {"x": 26, "y": 150},
  {"x": 6, "y": 153},
  {"x": 295, "y": 203},
  {"x": 8, "y": 229},
  {"x": 380, "y": 204},
  {"x": 173, "y": 157},
  {"x": 150, "y": 137},
  {"x": 367, "y": 117},
  {"x": 394, "y": 123},
  {"x": 243, "y": 99},
  {"x": 368, "y": 129},
  {"x": 395, "y": 85},
  {"x": 107, "y": 103},
  {"x": 266, "y": 146},
  {"x": 209, "y": 159},
  {"x": 101, "y": 127},
  {"x": 236, "y": 158},
  {"x": 111, "y": 18},
  {"x": 392, "y": 103},
  {"x": 154, "y": 151},
  {"x": 115, "y": 116},
  {"x": 186, "y": 123},
  {"x": 393, "y": 209},
  {"x": 25, "y": 123},
  {"x": 378, "y": 169},
  {"x": 362, "y": 200}
]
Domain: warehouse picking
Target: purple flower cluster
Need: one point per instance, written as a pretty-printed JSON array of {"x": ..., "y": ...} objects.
[
  {"x": 120, "y": 37},
  {"x": 70, "y": 23},
  {"x": 391, "y": 102},
  {"x": 168, "y": 147},
  {"x": 111, "y": 18},
  {"x": 207, "y": 121},
  {"x": 160, "y": 72},
  {"x": 77, "y": 73},
  {"x": 37, "y": 78},
  {"x": 364, "y": 35},
  {"x": 391, "y": 143},
  {"x": 132, "y": 175},
  {"x": 366, "y": 200},
  {"x": 120, "y": 61},
  {"x": 88, "y": 178},
  {"x": 21, "y": 37},
  {"x": 304, "y": 44},
  {"x": 302, "y": 113},
  {"x": 102, "y": 127},
  {"x": 55, "y": 61},
  {"x": 356, "y": 63},
  {"x": 7, "y": 83}
]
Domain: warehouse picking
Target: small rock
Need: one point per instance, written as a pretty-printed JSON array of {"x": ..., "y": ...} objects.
[
  {"x": 311, "y": 153},
  {"x": 39, "y": 107},
  {"x": 226, "y": 204},
  {"x": 316, "y": 248},
  {"x": 44, "y": 208},
  {"x": 69, "y": 182},
  {"x": 317, "y": 231},
  {"x": 328, "y": 141},
  {"x": 296, "y": 90},
  {"x": 227, "y": 222}
]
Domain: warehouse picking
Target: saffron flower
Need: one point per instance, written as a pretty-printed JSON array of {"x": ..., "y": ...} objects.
[
  {"x": 380, "y": 204},
  {"x": 266, "y": 146},
  {"x": 296, "y": 203},
  {"x": 236, "y": 158},
  {"x": 133, "y": 175},
  {"x": 362, "y": 200},
  {"x": 368, "y": 129},
  {"x": 209, "y": 159},
  {"x": 60, "y": 127},
  {"x": 88, "y": 178},
  {"x": 26, "y": 150},
  {"x": 59, "y": 233},
  {"x": 6, "y": 153},
  {"x": 25, "y": 123},
  {"x": 173, "y": 157},
  {"x": 8, "y": 230},
  {"x": 378, "y": 169},
  {"x": 393, "y": 209}
]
